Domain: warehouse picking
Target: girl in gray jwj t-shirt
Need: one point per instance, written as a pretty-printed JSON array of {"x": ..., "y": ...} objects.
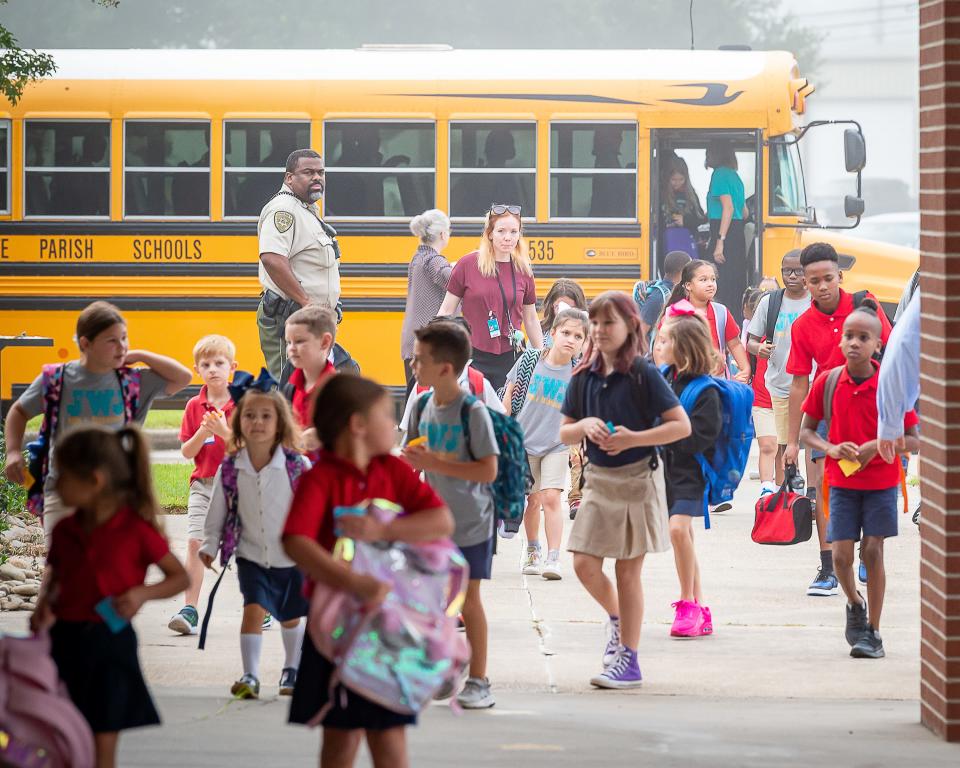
[{"x": 540, "y": 417}]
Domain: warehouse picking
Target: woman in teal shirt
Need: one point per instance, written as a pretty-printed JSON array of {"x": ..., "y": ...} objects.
[{"x": 726, "y": 210}]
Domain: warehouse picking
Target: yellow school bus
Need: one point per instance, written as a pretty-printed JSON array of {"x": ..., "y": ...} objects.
[{"x": 138, "y": 176}]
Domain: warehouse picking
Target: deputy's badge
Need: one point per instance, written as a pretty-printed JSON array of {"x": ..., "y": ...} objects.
[{"x": 283, "y": 220}]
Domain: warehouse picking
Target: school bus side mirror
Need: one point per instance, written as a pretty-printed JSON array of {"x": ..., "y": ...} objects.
[
  {"x": 854, "y": 150},
  {"x": 853, "y": 207}
]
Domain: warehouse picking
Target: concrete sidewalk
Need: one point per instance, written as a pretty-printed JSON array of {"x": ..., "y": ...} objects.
[{"x": 775, "y": 684}]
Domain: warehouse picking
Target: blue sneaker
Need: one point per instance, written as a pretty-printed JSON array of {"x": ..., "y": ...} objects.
[
  {"x": 862, "y": 573},
  {"x": 824, "y": 585},
  {"x": 623, "y": 673}
]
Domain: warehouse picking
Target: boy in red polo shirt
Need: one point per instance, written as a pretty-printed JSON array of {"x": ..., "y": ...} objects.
[
  {"x": 310, "y": 333},
  {"x": 863, "y": 487},
  {"x": 815, "y": 345},
  {"x": 203, "y": 435}
]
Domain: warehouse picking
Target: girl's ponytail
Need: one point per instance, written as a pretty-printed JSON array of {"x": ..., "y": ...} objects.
[{"x": 140, "y": 481}]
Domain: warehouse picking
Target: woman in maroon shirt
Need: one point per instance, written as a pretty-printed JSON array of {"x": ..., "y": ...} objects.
[{"x": 494, "y": 288}]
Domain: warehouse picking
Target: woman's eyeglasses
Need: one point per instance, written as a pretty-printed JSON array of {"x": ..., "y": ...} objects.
[{"x": 498, "y": 209}]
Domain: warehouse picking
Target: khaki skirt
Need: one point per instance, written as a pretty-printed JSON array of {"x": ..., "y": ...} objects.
[{"x": 623, "y": 513}]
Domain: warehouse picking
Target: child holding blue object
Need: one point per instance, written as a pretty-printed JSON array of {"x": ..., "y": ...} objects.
[
  {"x": 94, "y": 580},
  {"x": 254, "y": 486},
  {"x": 684, "y": 346},
  {"x": 623, "y": 514}
]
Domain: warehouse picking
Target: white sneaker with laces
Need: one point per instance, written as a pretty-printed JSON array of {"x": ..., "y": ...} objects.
[
  {"x": 533, "y": 564},
  {"x": 612, "y": 649},
  {"x": 551, "y": 568},
  {"x": 476, "y": 694}
]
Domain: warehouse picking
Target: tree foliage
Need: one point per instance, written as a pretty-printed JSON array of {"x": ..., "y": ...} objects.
[
  {"x": 19, "y": 66},
  {"x": 313, "y": 24}
]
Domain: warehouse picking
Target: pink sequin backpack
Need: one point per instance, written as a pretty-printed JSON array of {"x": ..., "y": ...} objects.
[
  {"x": 39, "y": 725},
  {"x": 402, "y": 653}
]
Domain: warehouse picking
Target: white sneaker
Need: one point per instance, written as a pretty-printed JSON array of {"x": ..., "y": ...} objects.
[
  {"x": 533, "y": 564},
  {"x": 476, "y": 694},
  {"x": 551, "y": 568}
]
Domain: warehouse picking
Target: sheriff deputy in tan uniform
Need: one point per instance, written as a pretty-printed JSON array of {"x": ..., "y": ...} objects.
[{"x": 299, "y": 256}]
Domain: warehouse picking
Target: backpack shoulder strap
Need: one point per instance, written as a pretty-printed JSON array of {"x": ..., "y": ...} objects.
[
  {"x": 829, "y": 390},
  {"x": 720, "y": 312},
  {"x": 664, "y": 291},
  {"x": 528, "y": 364},
  {"x": 774, "y": 302},
  {"x": 858, "y": 297},
  {"x": 475, "y": 379},
  {"x": 421, "y": 403},
  {"x": 287, "y": 391},
  {"x": 294, "y": 465},
  {"x": 465, "y": 408},
  {"x": 129, "y": 380}
]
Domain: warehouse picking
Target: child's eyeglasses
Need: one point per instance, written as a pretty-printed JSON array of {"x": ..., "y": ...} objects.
[
  {"x": 497, "y": 209},
  {"x": 787, "y": 271}
]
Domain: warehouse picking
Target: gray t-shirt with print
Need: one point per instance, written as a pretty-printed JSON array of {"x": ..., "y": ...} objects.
[
  {"x": 777, "y": 379},
  {"x": 540, "y": 416},
  {"x": 471, "y": 503},
  {"x": 90, "y": 398}
]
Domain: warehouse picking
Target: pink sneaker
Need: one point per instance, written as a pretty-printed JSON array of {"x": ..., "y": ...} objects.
[
  {"x": 707, "y": 627},
  {"x": 688, "y": 621}
]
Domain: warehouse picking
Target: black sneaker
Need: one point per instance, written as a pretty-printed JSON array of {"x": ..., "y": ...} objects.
[
  {"x": 856, "y": 621},
  {"x": 288, "y": 679},
  {"x": 869, "y": 646}
]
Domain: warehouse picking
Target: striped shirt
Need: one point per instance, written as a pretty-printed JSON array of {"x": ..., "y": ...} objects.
[{"x": 427, "y": 278}]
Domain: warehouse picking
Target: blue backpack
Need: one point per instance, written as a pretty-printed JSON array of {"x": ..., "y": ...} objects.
[
  {"x": 514, "y": 479},
  {"x": 724, "y": 472}
]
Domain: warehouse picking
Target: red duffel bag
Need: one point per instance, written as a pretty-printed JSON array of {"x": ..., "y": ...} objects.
[{"x": 783, "y": 517}]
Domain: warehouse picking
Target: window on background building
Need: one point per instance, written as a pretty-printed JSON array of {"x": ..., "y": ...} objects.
[
  {"x": 166, "y": 169},
  {"x": 254, "y": 160},
  {"x": 593, "y": 171},
  {"x": 67, "y": 168},
  {"x": 379, "y": 169},
  {"x": 492, "y": 163},
  {"x": 5, "y": 169}
]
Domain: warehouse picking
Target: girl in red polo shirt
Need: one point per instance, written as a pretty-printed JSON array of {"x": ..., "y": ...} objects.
[
  {"x": 698, "y": 284},
  {"x": 356, "y": 424},
  {"x": 93, "y": 583}
]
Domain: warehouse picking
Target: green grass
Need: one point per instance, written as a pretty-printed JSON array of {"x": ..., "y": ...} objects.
[
  {"x": 172, "y": 484},
  {"x": 156, "y": 419}
]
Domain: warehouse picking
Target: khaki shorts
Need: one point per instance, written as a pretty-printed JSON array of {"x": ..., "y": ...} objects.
[
  {"x": 197, "y": 504},
  {"x": 781, "y": 416},
  {"x": 549, "y": 471},
  {"x": 764, "y": 425}
]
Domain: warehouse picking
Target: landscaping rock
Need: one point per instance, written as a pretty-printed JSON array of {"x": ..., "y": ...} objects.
[
  {"x": 9, "y": 572},
  {"x": 27, "y": 590},
  {"x": 21, "y": 562},
  {"x": 14, "y": 532},
  {"x": 12, "y": 603}
]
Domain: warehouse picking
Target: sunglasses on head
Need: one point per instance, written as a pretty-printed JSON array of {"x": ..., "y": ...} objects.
[{"x": 497, "y": 209}]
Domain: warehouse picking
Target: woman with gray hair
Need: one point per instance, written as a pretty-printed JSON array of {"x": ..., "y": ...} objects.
[{"x": 427, "y": 278}]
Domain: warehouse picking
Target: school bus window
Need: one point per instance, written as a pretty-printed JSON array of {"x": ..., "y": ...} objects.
[
  {"x": 67, "y": 168},
  {"x": 379, "y": 169},
  {"x": 787, "y": 193},
  {"x": 167, "y": 169},
  {"x": 255, "y": 155},
  {"x": 593, "y": 170},
  {"x": 5, "y": 168},
  {"x": 492, "y": 163}
]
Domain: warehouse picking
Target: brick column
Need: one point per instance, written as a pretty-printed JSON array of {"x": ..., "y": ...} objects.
[{"x": 940, "y": 366}]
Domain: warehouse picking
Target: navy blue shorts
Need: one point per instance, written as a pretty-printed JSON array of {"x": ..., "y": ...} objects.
[
  {"x": 480, "y": 558},
  {"x": 816, "y": 455},
  {"x": 278, "y": 590},
  {"x": 852, "y": 511},
  {"x": 688, "y": 507}
]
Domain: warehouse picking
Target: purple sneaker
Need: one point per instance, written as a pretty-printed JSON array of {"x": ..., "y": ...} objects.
[
  {"x": 612, "y": 649},
  {"x": 623, "y": 673}
]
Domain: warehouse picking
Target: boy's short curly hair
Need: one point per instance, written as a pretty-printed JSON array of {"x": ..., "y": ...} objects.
[{"x": 448, "y": 342}]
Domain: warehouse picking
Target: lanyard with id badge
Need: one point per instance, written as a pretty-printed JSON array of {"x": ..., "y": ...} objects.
[{"x": 493, "y": 325}]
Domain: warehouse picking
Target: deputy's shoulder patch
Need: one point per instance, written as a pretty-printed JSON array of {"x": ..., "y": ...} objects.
[{"x": 283, "y": 220}]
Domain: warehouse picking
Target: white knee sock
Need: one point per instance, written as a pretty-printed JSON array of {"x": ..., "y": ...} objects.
[
  {"x": 292, "y": 643},
  {"x": 250, "y": 653}
]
